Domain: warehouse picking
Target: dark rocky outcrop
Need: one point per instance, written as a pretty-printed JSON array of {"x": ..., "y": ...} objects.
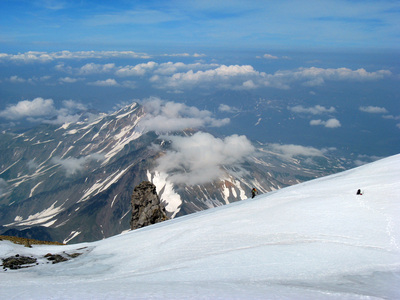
[
  {"x": 146, "y": 206},
  {"x": 17, "y": 262}
]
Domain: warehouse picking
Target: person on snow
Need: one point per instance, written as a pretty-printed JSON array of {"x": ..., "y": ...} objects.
[
  {"x": 254, "y": 192},
  {"x": 359, "y": 192}
]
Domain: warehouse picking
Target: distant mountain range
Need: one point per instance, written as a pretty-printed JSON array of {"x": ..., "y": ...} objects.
[{"x": 73, "y": 183}]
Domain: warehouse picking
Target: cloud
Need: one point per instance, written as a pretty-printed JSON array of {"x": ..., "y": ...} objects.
[
  {"x": 373, "y": 109},
  {"x": 226, "y": 77},
  {"x": 269, "y": 56},
  {"x": 32, "y": 165},
  {"x": 245, "y": 77},
  {"x": 73, "y": 165},
  {"x": 227, "y": 108},
  {"x": 331, "y": 123},
  {"x": 33, "y": 80},
  {"x": 17, "y": 79},
  {"x": 38, "y": 107},
  {"x": 107, "y": 83},
  {"x": 185, "y": 55},
  {"x": 43, "y": 110},
  {"x": 365, "y": 159},
  {"x": 316, "y": 110},
  {"x": 43, "y": 57},
  {"x": 291, "y": 150},
  {"x": 169, "y": 116},
  {"x": 317, "y": 76},
  {"x": 93, "y": 68},
  {"x": 137, "y": 70},
  {"x": 69, "y": 80},
  {"x": 198, "y": 159}
]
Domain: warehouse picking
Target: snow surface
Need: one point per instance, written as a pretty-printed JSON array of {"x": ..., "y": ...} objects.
[{"x": 315, "y": 240}]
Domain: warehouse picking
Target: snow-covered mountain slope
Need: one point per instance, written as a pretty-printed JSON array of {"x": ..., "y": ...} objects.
[
  {"x": 73, "y": 182},
  {"x": 314, "y": 240}
]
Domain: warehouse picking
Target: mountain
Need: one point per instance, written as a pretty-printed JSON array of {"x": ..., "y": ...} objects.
[
  {"x": 73, "y": 182},
  {"x": 314, "y": 240}
]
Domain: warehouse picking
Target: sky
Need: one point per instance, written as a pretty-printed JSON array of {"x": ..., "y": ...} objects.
[
  {"x": 294, "y": 243},
  {"x": 120, "y": 25},
  {"x": 276, "y": 71}
]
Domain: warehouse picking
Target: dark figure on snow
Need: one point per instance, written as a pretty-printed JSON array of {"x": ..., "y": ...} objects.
[
  {"x": 254, "y": 192},
  {"x": 359, "y": 192}
]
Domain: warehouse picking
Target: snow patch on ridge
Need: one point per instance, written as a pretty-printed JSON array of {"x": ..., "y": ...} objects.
[
  {"x": 100, "y": 185},
  {"x": 166, "y": 192},
  {"x": 73, "y": 235},
  {"x": 34, "y": 188},
  {"x": 38, "y": 218}
]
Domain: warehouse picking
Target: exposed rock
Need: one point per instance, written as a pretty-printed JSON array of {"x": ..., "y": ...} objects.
[
  {"x": 18, "y": 262},
  {"x": 146, "y": 206},
  {"x": 55, "y": 258}
]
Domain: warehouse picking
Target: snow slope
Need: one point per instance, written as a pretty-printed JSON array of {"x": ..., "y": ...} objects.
[{"x": 315, "y": 240}]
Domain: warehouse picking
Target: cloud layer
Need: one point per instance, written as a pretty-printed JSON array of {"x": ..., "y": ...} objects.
[
  {"x": 198, "y": 159},
  {"x": 180, "y": 76}
]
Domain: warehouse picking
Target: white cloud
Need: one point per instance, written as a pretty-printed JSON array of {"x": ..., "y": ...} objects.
[
  {"x": 36, "y": 56},
  {"x": 227, "y": 77},
  {"x": 295, "y": 150},
  {"x": 75, "y": 165},
  {"x": 227, "y": 108},
  {"x": 331, "y": 123},
  {"x": 317, "y": 76},
  {"x": 169, "y": 116},
  {"x": 16, "y": 79},
  {"x": 316, "y": 110},
  {"x": 170, "y": 68},
  {"x": 366, "y": 159},
  {"x": 71, "y": 104},
  {"x": 92, "y": 68},
  {"x": 184, "y": 55},
  {"x": 373, "y": 109},
  {"x": 38, "y": 107},
  {"x": 67, "y": 113},
  {"x": 69, "y": 80},
  {"x": 269, "y": 56},
  {"x": 107, "y": 83},
  {"x": 391, "y": 117},
  {"x": 137, "y": 70},
  {"x": 43, "y": 110},
  {"x": 246, "y": 77},
  {"x": 198, "y": 159}
]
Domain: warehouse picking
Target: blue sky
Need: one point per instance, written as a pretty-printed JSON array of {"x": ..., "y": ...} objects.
[
  {"x": 121, "y": 25},
  {"x": 314, "y": 73}
]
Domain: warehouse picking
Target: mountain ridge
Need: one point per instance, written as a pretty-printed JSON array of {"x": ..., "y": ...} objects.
[{"x": 77, "y": 179}]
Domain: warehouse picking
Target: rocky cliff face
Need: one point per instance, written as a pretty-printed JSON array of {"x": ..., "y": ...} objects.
[{"x": 146, "y": 206}]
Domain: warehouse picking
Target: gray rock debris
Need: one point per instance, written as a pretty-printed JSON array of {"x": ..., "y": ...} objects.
[{"x": 146, "y": 206}]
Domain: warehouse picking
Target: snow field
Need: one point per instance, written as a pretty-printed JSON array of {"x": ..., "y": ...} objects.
[{"x": 315, "y": 240}]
